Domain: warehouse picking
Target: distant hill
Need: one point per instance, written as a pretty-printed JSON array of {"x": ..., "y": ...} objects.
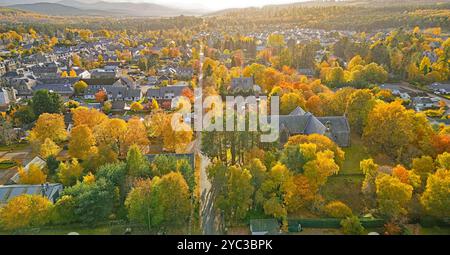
[
  {"x": 56, "y": 9},
  {"x": 101, "y": 8}
]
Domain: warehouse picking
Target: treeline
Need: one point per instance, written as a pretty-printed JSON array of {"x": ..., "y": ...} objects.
[{"x": 360, "y": 18}]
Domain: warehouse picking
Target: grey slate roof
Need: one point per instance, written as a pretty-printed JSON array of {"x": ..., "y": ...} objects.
[
  {"x": 298, "y": 111},
  {"x": 298, "y": 123},
  {"x": 340, "y": 129},
  {"x": 63, "y": 89},
  {"x": 52, "y": 191},
  {"x": 161, "y": 91},
  {"x": 242, "y": 83}
]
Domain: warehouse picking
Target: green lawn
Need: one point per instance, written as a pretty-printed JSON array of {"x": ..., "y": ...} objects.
[
  {"x": 14, "y": 147},
  {"x": 346, "y": 189},
  {"x": 434, "y": 231},
  {"x": 63, "y": 230},
  {"x": 353, "y": 155}
]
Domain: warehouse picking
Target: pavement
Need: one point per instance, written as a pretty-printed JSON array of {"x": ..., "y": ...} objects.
[{"x": 209, "y": 221}]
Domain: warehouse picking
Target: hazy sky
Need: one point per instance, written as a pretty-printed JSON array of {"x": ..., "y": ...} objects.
[{"x": 213, "y": 4}]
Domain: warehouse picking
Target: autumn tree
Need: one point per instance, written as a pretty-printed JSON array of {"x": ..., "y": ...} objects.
[
  {"x": 303, "y": 194},
  {"x": 81, "y": 142},
  {"x": 370, "y": 171},
  {"x": 235, "y": 198},
  {"x": 172, "y": 199},
  {"x": 137, "y": 164},
  {"x": 275, "y": 190},
  {"x": 318, "y": 170},
  {"x": 407, "y": 130},
  {"x": 136, "y": 133},
  {"x": 34, "y": 175},
  {"x": 48, "y": 126},
  {"x": 70, "y": 172},
  {"x": 393, "y": 196},
  {"x": 360, "y": 103},
  {"x": 89, "y": 117},
  {"x": 49, "y": 148},
  {"x": 25, "y": 211},
  {"x": 338, "y": 209},
  {"x": 111, "y": 132},
  {"x": 436, "y": 197},
  {"x": 290, "y": 101},
  {"x": 101, "y": 96},
  {"x": 80, "y": 87}
]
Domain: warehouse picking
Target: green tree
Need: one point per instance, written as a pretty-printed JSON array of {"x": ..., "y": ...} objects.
[
  {"x": 140, "y": 204},
  {"x": 44, "y": 101},
  {"x": 352, "y": 226},
  {"x": 137, "y": 164},
  {"x": 236, "y": 198},
  {"x": 93, "y": 202}
]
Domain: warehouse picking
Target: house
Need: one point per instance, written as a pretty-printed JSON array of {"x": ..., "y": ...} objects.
[
  {"x": 108, "y": 72},
  {"x": 52, "y": 191},
  {"x": 424, "y": 103},
  {"x": 35, "y": 161},
  {"x": 63, "y": 89},
  {"x": 46, "y": 71},
  {"x": 117, "y": 93},
  {"x": 166, "y": 92},
  {"x": 440, "y": 88},
  {"x": 397, "y": 91},
  {"x": 184, "y": 73},
  {"x": 264, "y": 227},
  {"x": 7, "y": 96},
  {"x": 300, "y": 122},
  {"x": 242, "y": 84},
  {"x": 23, "y": 86}
]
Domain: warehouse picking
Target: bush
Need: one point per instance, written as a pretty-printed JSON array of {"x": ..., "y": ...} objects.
[
  {"x": 352, "y": 226},
  {"x": 337, "y": 209}
]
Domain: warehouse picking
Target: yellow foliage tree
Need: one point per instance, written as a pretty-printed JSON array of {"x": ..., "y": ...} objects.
[
  {"x": 81, "y": 142},
  {"x": 136, "y": 134},
  {"x": 49, "y": 148},
  {"x": 49, "y": 126},
  {"x": 34, "y": 175},
  {"x": 89, "y": 117},
  {"x": 70, "y": 172},
  {"x": 136, "y": 107},
  {"x": 25, "y": 211}
]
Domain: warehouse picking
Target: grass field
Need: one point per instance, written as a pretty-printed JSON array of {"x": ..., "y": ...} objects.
[
  {"x": 346, "y": 186},
  {"x": 14, "y": 147},
  {"x": 353, "y": 155}
]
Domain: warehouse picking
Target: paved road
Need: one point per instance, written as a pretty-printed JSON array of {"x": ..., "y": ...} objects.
[
  {"x": 208, "y": 217},
  {"x": 408, "y": 86}
]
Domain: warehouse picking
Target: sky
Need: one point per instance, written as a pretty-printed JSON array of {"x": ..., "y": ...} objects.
[{"x": 213, "y": 4}]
